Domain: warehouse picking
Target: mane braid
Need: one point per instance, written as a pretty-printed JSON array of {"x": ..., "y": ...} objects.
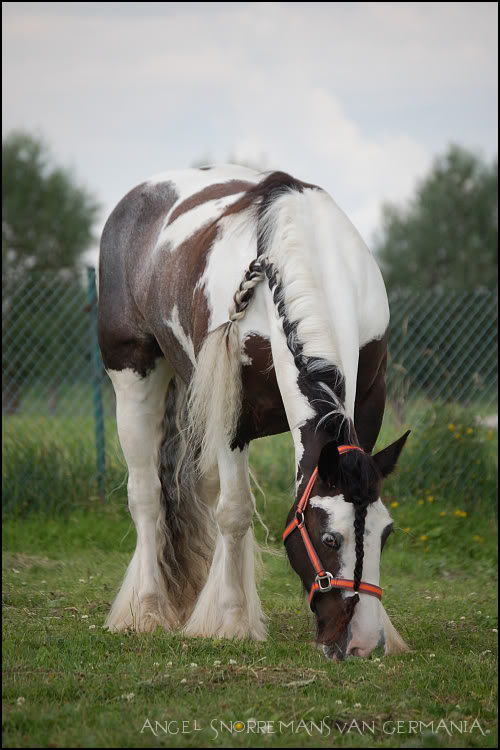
[{"x": 321, "y": 380}]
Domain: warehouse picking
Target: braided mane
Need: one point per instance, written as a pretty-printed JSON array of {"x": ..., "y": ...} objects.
[{"x": 319, "y": 379}]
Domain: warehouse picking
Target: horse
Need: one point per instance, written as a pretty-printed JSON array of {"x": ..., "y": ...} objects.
[{"x": 235, "y": 305}]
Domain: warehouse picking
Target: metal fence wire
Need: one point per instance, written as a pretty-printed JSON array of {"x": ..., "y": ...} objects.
[{"x": 442, "y": 347}]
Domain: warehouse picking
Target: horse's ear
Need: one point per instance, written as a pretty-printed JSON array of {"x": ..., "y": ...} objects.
[
  {"x": 328, "y": 464},
  {"x": 387, "y": 459}
]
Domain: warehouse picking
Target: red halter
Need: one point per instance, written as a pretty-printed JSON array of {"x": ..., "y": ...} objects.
[{"x": 324, "y": 580}]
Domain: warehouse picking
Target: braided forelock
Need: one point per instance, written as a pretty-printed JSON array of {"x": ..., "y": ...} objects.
[{"x": 359, "y": 535}]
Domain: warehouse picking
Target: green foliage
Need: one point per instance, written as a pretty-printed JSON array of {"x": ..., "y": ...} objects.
[
  {"x": 47, "y": 223},
  {"x": 49, "y": 464},
  {"x": 450, "y": 458},
  {"x": 447, "y": 237},
  {"x": 47, "y": 219}
]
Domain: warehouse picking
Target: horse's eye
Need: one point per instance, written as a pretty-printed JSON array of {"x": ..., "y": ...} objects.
[{"x": 332, "y": 540}]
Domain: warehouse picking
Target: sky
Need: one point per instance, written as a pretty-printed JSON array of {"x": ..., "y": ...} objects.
[{"x": 358, "y": 98}]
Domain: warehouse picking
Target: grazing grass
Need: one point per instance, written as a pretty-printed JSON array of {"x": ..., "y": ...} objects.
[
  {"x": 68, "y": 682},
  {"x": 85, "y": 687}
]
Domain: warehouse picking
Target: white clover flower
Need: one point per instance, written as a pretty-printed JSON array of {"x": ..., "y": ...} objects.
[
  {"x": 85, "y": 617},
  {"x": 217, "y": 663},
  {"x": 21, "y": 701},
  {"x": 193, "y": 665},
  {"x": 338, "y": 702},
  {"x": 357, "y": 705},
  {"x": 183, "y": 681},
  {"x": 91, "y": 627},
  {"x": 156, "y": 664},
  {"x": 233, "y": 661}
]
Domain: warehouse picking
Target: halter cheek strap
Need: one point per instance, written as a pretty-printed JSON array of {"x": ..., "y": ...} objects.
[{"x": 324, "y": 580}]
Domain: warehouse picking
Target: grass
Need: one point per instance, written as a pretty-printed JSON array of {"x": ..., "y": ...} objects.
[{"x": 84, "y": 687}]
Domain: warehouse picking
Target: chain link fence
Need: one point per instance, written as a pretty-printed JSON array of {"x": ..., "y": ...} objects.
[{"x": 58, "y": 404}]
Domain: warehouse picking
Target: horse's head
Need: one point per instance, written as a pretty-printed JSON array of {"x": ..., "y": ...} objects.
[{"x": 338, "y": 536}]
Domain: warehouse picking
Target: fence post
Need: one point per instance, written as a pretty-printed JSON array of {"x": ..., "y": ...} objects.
[{"x": 96, "y": 382}]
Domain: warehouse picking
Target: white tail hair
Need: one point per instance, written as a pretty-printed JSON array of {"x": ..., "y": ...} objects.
[{"x": 214, "y": 396}]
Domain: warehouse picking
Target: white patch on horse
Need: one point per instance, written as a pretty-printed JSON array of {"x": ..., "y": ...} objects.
[
  {"x": 142, "y": 600},
  {"x": 184, "y": 340},
  {"x": 190, "y": 181},
  {"x": 229, "y": 605},
  {"x": 312, "y": 244},
  {"x": 191, "y": 221}
]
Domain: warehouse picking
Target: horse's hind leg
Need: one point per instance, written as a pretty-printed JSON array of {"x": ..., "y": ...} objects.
[
  {"x": 229, "y": 604},
  {"x": 140, "y": 403}
]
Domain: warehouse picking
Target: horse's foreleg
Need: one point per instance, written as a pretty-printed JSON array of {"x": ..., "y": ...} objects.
[
  {"x": 140, "y": 604},
  {"x": 229, "y": 605}
]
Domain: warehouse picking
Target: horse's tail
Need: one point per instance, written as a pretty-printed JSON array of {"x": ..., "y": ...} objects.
[
  {"x": 214, "y": 396},
  {"x": 186, "y": 526}
]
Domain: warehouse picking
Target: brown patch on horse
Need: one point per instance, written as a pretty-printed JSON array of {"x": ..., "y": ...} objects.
[
  {"x": 371, "y": 391},
  {"x": 210, "y": 193},
  {"x": 175, "y": 285},
  {"x": 130, "y": 232},
  {"x": 262, "y": 410}
]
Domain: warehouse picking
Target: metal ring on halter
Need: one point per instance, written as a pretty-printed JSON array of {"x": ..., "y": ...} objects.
[
  {"x": 328, "y": 577},
  {"x": 299, "y": 517}
]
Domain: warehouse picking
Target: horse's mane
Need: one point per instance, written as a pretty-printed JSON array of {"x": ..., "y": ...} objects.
[{"x": 319, "y": 378}]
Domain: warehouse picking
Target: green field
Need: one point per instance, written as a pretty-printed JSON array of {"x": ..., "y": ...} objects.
[{"x": 68, "y": 682}]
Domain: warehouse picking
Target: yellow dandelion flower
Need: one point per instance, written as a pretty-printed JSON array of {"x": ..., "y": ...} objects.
[
  {"x": 407, "y": 530},
  {"x": 420, "y": 502},
  {"x": 470, "y": 431},
  {"x": 477, "y": 538},
  {"x": 457, "y": 435},
  {"x": 443, "y": 513},
  {"x": 461, "y": 513},
  {"x": 430, "y": 499},
  {"x": 423, "y": 538},
  {"x": 395, "y": 504},
  {"x": 451, "y": 427},
  {"x": 489, "y": 434}
]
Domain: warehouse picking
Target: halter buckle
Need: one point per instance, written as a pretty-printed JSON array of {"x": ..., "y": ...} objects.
[
  {"x": 299, "y": 517},
  {"x": 326, "y": 576}
]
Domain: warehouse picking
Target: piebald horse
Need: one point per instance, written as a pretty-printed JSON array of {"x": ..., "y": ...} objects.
[{"x": 234, "y": 305}]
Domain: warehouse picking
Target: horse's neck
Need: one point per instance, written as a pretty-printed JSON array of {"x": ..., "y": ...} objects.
[{"x": 301, "y": 414}]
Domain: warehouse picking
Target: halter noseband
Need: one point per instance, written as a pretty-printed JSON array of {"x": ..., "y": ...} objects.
[{"x": 324, "y": 580}]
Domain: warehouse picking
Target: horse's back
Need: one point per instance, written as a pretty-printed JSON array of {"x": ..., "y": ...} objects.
[{"x": 154, "y": 250}]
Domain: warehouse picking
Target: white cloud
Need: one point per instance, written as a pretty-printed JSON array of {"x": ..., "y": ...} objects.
[{"x": 354, "y": 96}]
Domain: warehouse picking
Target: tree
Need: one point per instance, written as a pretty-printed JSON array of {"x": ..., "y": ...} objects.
[
  {"x": 47, "y": 223},
  {"x": 47, "y": 219},
  {"x": 446, "y": 238}
]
